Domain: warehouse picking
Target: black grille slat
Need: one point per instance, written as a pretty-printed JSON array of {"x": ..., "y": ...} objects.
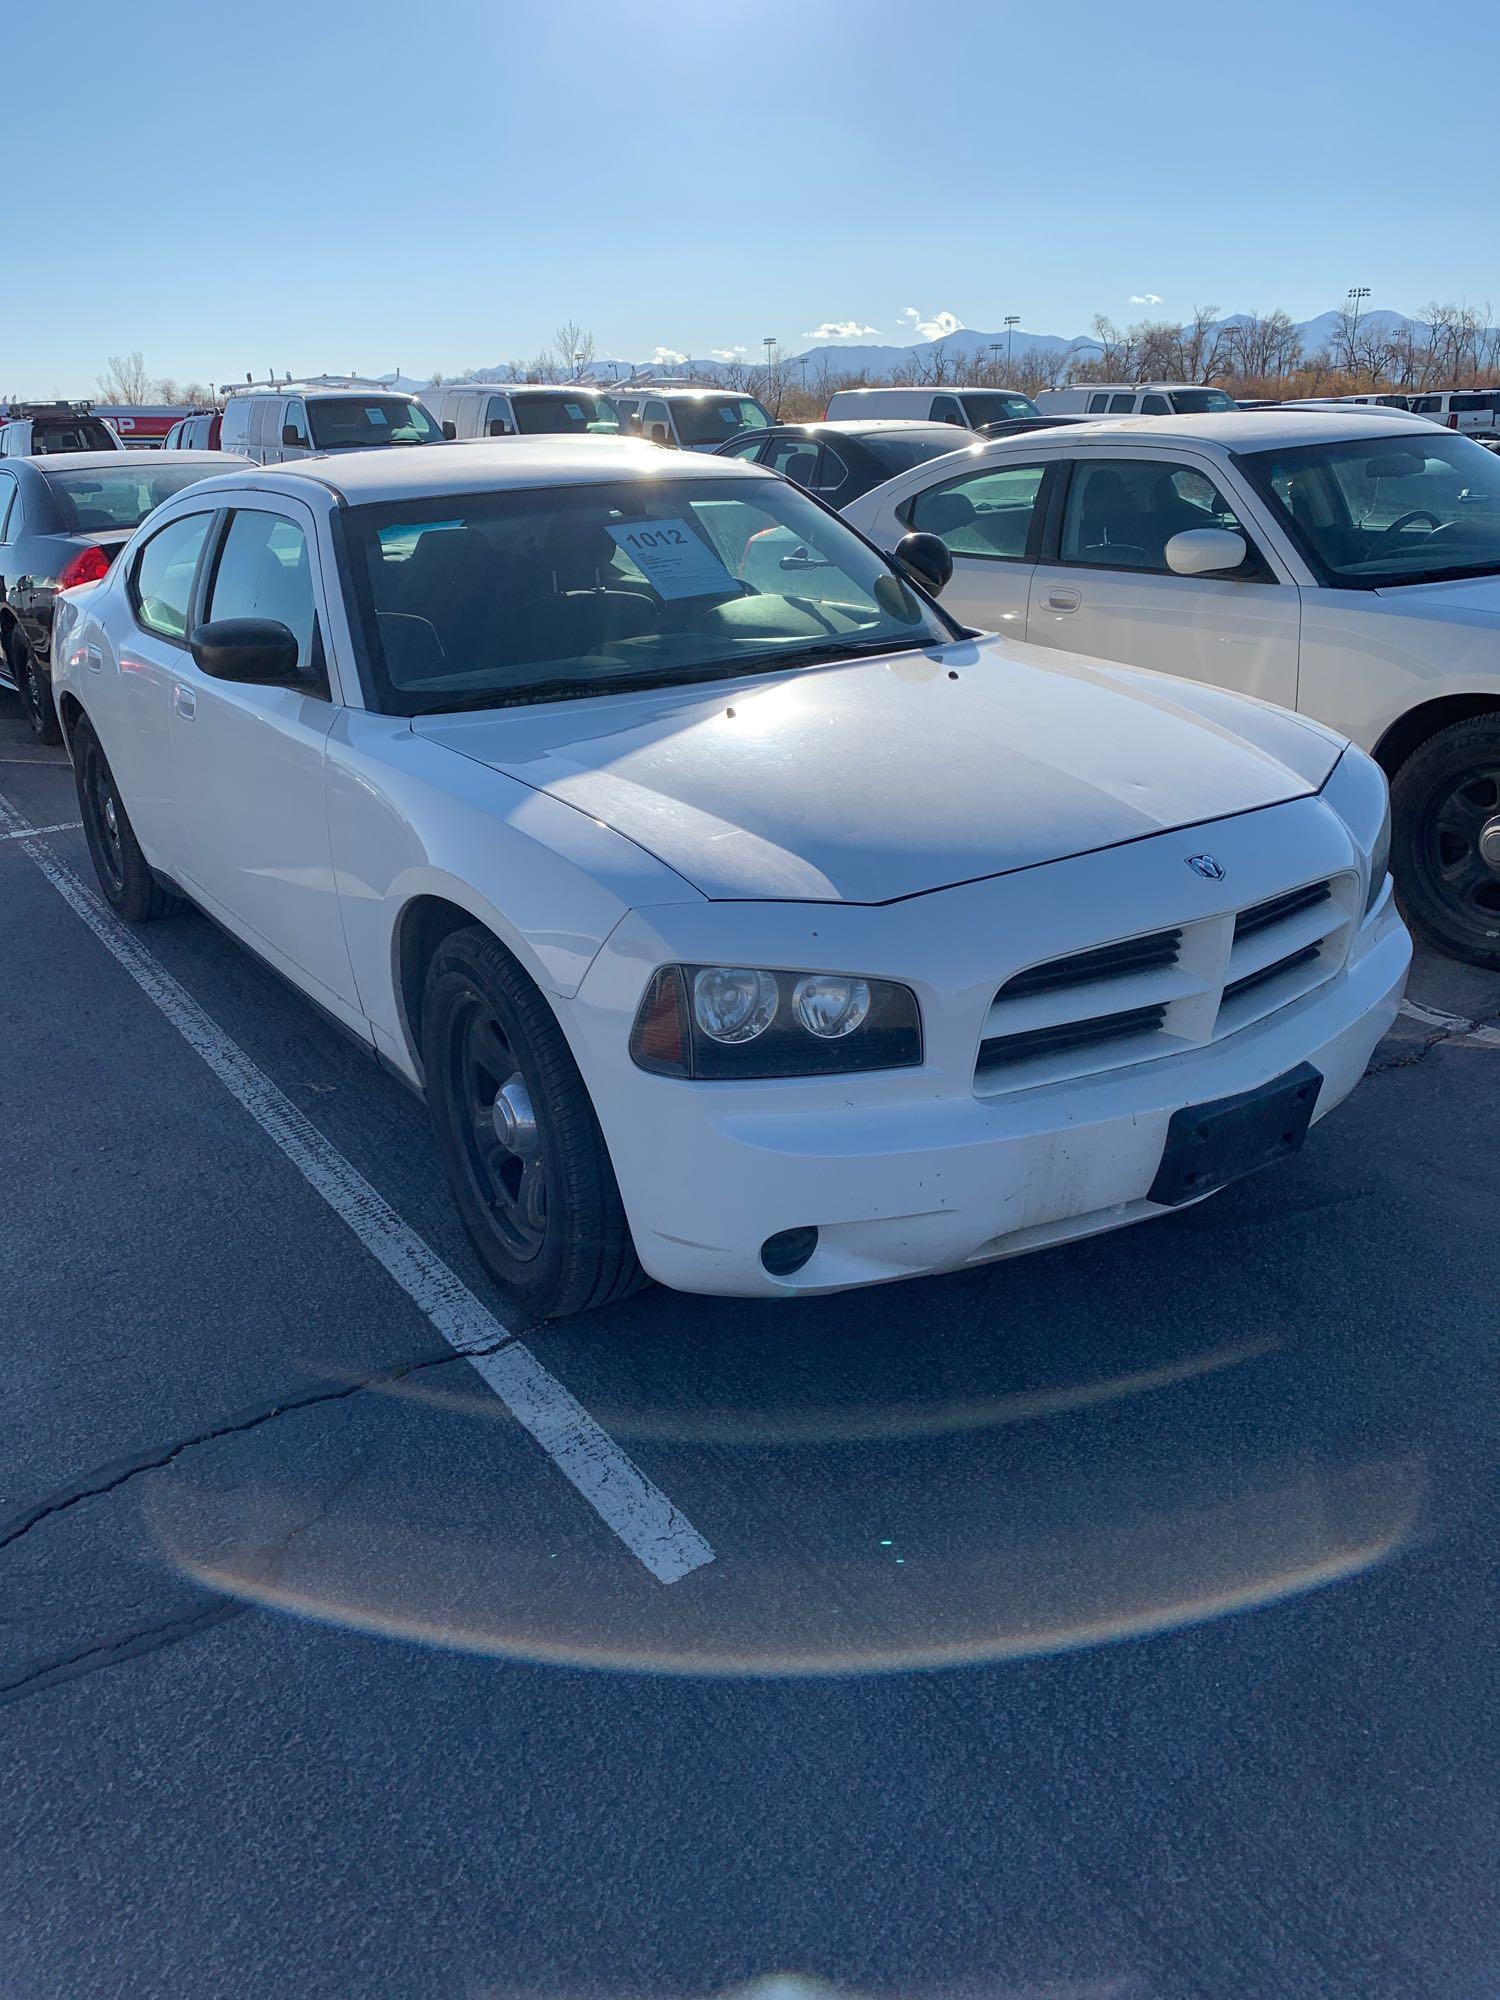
[
  {"x": 1278, "y": 908},
  {"x": 1066, "y": 1036},
  {"x": 1110, "y": 961},
  {"x": 1253, "y": 979}
]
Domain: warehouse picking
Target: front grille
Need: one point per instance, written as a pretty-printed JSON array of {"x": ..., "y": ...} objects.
[
  {"x": 1066, "y": 1037},
  {"x": 1268, "y": 972},
  {"x": 1107, "y": 961},
  {"x": 1261, "y": 915},
  {"x": 1165, "y": 990}
]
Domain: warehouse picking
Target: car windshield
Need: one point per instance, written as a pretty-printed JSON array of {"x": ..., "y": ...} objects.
[
  {"x": 712, "y": 419},
  {"x": 344, "y": 423},
  {"x": 1201, "y": 402},
  {"x": 569, "y": 411},
  {"x": 993, "y": 406},
  {"x": 93, "y": 502},
  {"x": 485, "y": 599},
  {"x": 1397, "y": 509},
  {"x": 895, "y": 451}
]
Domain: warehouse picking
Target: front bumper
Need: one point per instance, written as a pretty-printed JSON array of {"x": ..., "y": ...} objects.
[{"x": 900, "y": 1183}]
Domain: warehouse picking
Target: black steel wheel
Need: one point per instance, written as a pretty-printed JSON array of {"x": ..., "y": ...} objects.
[
  {"x": 1445, "y": 849},
  {"x": 125, "y": 876},
  {"x": 34, "y": 686},
  {"x": 517, "y": 1134}
]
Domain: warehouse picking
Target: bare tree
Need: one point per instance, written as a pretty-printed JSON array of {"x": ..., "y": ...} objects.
[
  {"x": 574, "y": 349},
  {"x": 771, "y": 381},
  {"x": 125, "y": 380}
]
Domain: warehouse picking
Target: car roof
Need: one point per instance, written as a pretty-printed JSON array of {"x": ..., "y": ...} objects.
[
  {"x": 1238, "y": 429},
  {"x": 876, "y": 427},
  {"x": 88, "y": 461},
  {"x": 679, "y": 394},
  {"x": 408, "y": 472}
]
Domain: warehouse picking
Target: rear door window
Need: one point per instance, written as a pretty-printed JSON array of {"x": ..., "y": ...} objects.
[
  {"x": 988, "y": 515},
  {"x": 161, "y": 578}
]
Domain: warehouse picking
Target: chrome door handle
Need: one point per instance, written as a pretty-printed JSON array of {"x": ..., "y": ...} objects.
[
  {"x": 185, "y": 702},
  {"x": 1064, "y": 600}
]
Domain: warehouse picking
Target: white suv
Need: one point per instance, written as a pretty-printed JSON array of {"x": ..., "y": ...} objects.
[
  {"x": 769, "y": 938},
  {"x": 289, "y": 420},
  {"x": 1346, "y": 565}
]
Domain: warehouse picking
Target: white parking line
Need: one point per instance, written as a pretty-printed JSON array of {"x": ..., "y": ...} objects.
[
  {"x": 34, "y": 832},
  {"x": 621, "y": 1495},
  {"x": 1459, "y": 1026}
]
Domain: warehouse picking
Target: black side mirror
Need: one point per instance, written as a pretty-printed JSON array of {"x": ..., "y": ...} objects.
[
  {"x": 290, "y": 435},
  {"x": 499, "y": 428},
  {"x": 257, "y": 650},
  {"x": 926, "y": 558},
  {"x": 450, "y": 429}
]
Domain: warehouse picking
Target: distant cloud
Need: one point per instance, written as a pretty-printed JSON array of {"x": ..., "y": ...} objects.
[
  {"x": 727, "y": 353},
  {"x": 668, "y": 354},
  {"x": 1145, "y": 298},
  {"x": 839, "y": 329},
  {"x": 937, "y": 328}
]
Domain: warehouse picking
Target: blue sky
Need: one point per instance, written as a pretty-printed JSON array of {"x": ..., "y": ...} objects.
[{"x": 325, "y": 186}]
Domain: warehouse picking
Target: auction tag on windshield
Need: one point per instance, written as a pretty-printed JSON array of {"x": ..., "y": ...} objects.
[
  {"x": 673, "y": 560},
  {"x": 374, "y": 412}
]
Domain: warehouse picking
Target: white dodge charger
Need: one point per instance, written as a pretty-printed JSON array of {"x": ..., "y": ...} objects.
[{"x": 742, "y": 918}]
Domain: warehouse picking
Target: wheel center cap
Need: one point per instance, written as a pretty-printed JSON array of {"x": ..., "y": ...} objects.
[
  {"x": 1489, "y": 844},
  {"x": 515, "y": 1121},
  {"x": 109, "y": 817}
]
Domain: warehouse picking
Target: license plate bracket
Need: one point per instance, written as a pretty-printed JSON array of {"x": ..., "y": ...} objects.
[{"x": 1210, "y": 1145}]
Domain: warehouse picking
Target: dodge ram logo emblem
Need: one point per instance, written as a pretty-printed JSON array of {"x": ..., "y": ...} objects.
[{"x": 1206, "y": 866}]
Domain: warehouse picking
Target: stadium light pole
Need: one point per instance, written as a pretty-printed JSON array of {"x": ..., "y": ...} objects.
[
  {"x": 1356, "y": 295},
  {"x": 1012, "y": 321}
]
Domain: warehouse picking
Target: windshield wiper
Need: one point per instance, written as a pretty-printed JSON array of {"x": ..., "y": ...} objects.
[{"x": 718, "y": 670}]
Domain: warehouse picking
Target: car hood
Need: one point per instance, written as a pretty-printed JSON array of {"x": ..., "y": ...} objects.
[
  {"x": 1466, "y": 594},
  {"x": 869, "y": 781}
]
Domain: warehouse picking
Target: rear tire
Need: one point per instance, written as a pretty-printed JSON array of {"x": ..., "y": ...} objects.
[
  {"x": 1445, "y": 839},
  {"x": 34, "y": 686},
  {"x": 125, "y": 877},
  {"x": 532, "y": 1179}
]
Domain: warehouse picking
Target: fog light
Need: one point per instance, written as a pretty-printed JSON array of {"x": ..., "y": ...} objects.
[{"x": 788, "y": 1250}]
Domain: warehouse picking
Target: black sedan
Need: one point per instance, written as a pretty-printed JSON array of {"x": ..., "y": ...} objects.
[
  {"x": 840, "y": 460},
  {"x": 63, "y": 520}
]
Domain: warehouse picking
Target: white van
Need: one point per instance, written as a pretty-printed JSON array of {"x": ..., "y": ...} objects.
[
  {"x": 966, "y": 407},
  {"x": 1467, "y": 410},
  {"x": 1136, "y": 399},
  {"x": 270, "y": 422},
  {"x": 522, "y": 409},
  {"x": 692, "y": 419}
]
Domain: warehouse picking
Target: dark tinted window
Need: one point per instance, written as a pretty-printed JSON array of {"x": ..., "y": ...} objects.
[
  {"x": 347, "y": 423},
  {"x": 8, "y": 502},
  {"x": 161, "y": 581},
  {"x": 1201, "y": 402},
  {"x": 1122, "y": 512},
  {"x": 947, "y": 410},
  {"x": 711, "y": 419},
  {"x": 1155, "y": 406},
  {"x": 795, "y": 457},
  {"x": 497, "y": 422},
  {"x": 264, "y": 571},
  {"x": 120, "y": 495},
  {"x": 895, "y": 451},
  {"x": 72, "y": 434},
  {"x": 567, "y": 412},
  {"x": 993, "y": 406},
  {"x": 1121, "y": 405},
  {"x": 1098, "y": 405}
]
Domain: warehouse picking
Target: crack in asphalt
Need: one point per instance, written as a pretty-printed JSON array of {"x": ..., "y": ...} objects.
[
  {"x": 104, "y": 1479},
  {"x": 165, "y": 1632},
  {"x": 1408, "y": 1058}
]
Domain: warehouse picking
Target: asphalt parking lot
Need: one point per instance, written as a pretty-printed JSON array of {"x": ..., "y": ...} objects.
[{"x": 1113, "y": 1624}]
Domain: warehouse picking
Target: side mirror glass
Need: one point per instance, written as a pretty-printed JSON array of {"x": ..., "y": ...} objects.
[
  {"x": 1205, "y": 551},
  {"x": 256, "y": 650},
  {"x": 926, "y": 558},
  {"x": 450, "y": 429},
  {"x": 499, "y": 428}
]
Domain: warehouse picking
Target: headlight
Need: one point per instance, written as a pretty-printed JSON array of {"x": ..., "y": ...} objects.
[
  {"x": 1380, "y": 860},
  {"x": 1357, "y": 791},
  {"x": 721, "y": 1022}
]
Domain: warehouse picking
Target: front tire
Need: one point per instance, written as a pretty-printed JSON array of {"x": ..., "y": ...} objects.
[
  {"x": 34, "y": 686},
  {"x": 517, "y": 1134},
  {"x": 1445, "y": 839},
  {"x": 125, "y": 877}
]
